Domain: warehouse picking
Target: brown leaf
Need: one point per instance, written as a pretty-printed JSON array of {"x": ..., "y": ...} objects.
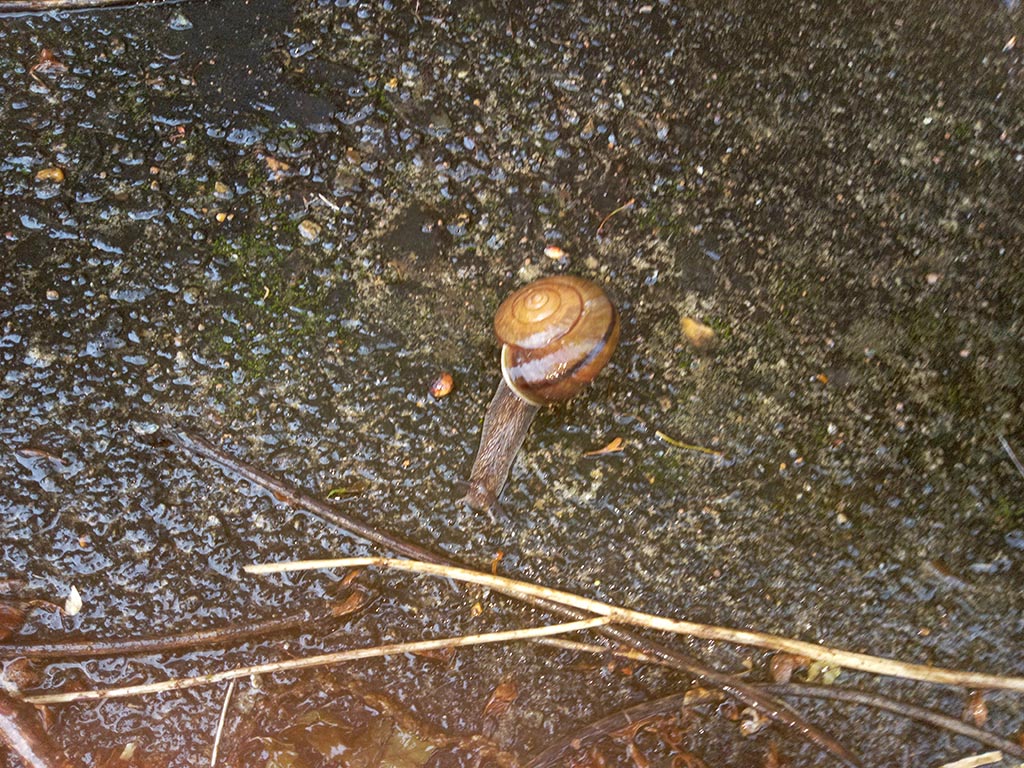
[
  {"x": 356, "y": 601},
  {"x": 783, "y": 665},
  {"x": 48, "y": 63},
  {"x": 12, "y": 617},
  {"x": 615, "y": 446},
  {"x": 442, "y": 655},
  {"x": 699, "y": 695},
  {"x": 753, "y": 721},
  {"x": 23, "y": 674},
  {"x": 975, "y": 709},
  {"x": 640, "y": 760},
  {"x": 774, "y": 758},
  {"x": 351, "y": 576},
  {"x": 502, "y": 698},
  {"x": 275, "y": 165},
  {"x": 496, "y": 561}
]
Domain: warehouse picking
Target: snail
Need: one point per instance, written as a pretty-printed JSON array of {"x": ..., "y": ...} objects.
[{"x": 557, "y": 333}]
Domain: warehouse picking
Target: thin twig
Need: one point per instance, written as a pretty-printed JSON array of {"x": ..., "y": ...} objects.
[
  {"x": 687, "y": 446},
  {"x": 625, "y": 206},
  {"x": 22, "y": 7},
  {"x": 935, "y": 719},
  {"x": 592, "y": 733},
  {"x": 353, "y": 654},
  {"x": 220, "y": 723},
  {"x": 75, "y": 649},
  {"x": 1012, "y": 455},
  {"x": 835, "y": 692},
  {"x": 861, "y": 662},
  {"x": 602, "y": 650},
  {"x": 294, "y": 497},
  {"x": 975, "y": 761}
]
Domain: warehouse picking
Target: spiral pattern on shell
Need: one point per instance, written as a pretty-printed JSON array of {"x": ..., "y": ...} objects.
[{"x": 557, "y": 334}]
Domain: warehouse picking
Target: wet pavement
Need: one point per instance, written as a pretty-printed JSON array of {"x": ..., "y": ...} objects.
[{"x": 277, "y": 223}]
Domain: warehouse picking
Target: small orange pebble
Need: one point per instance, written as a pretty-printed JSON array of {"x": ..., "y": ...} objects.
[
  {"x": 699, "y": 335},
  {"x": 52, "y": 175},
  {"x": 554, "y": 253},
  {"x": 442, "y": 385}
]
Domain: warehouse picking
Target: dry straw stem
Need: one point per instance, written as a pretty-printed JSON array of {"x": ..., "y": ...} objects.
[
  {"x": 220, "y": 723},
  {"x": 322, "y": 659},
  {"x": 976, "y": 761},
  {"x": 849, "y": 660}
]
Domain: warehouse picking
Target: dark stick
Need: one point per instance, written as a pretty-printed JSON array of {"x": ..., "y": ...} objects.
[
  {"x": 73, "y": 649},
  {"x": 22, "y": 732},
  {"x": 591, "y": 734},
  {"x": 932, "y": 717},
  {"x": 21, "y": 7},
  {"x": 294, "y": 497}
]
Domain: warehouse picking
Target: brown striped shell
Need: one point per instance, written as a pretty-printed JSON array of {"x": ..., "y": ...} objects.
[{"x": 557, "y": 334}]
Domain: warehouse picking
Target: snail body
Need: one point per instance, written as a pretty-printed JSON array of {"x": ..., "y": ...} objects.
[{"x": 557, "y": 333}]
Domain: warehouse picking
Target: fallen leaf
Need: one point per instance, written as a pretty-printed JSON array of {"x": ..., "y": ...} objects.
[
  {"x": 354, "y": 602},
  {"x": 22, "y": 674},
  {"x": 975, "y": 709},
  {"x": 820, "y": 672},
  {"x": 640, "y": 760},
  {"x": 753, "y": 722},
  {"x": 442, "y": 655},
  {"x": 502, "y": 698},
  {"x": 351, "y": 576},
  {"x": 496, "y": 561},
  {"x": 699, "y": 695},
  {"x": 48, "y": 63},
  {"x": 783, "y": 665},
  {"x": 11, "y": 619},
  {"x": 276, "y": 165},
  {"x": 615, "y": 446}
]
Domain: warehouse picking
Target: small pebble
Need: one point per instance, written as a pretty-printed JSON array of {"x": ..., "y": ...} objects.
[
  {"x": 222, "y": 191},
  {"x": 180, "y": 22},
  {"x": 309, "y": 230},
  {"x": 699, "y": 335}
]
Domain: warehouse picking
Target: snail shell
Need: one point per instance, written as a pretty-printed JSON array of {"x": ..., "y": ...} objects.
[{"x": 557, "y": 334}]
